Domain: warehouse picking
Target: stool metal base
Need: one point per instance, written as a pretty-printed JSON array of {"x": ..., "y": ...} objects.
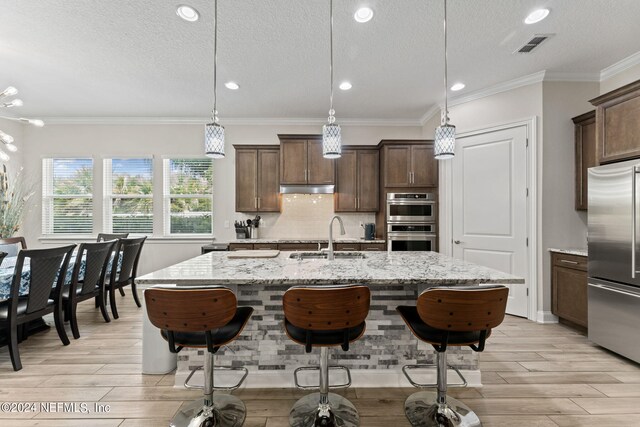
[
  {"x": 227, "y": 411},
  {"x": 422, "y": 410},
  {"x": 307, "y": 412}
]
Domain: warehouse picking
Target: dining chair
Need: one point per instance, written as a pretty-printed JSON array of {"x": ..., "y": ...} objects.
[
  {"x": 12, "y": 245},
  {"x": 41, "y": 286},
  {"x": 2, "y": 255},
  {"x": 103, "y": 237},
  {"x": 88, "y": 280},
  {"x": 128, "y": 253}
]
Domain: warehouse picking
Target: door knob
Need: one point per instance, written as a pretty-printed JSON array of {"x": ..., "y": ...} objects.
[{"x": 457, "y": 242}]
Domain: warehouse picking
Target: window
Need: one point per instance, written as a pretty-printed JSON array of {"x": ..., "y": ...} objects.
[
  {"x": 188, "y": 196},
  {"x": 67, "y": 196},
  {"x": 128, "y": 195}
]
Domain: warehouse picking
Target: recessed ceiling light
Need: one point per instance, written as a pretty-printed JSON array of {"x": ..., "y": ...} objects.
[
  {"x": 187, "y": 13},
  {"x": 345, "y": 86},
  {"x": 536, "y": 16},
  {"x": 232, "y": 85},
  {"x": 457, "y": 86},
  {"x": 364, "y": 14}
]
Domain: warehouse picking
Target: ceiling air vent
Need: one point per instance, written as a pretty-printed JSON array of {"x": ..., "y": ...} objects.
[{"x": 535, "y": 41}]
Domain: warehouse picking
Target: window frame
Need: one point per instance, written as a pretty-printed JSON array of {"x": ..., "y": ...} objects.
[
  {"x": 167, "y": 196},
  {"x": 108, "y": 195},
  {"x": 48, "y": 196}
]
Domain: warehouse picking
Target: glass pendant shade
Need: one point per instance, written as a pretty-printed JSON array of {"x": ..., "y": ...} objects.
[
  {"x": 214, "y": 141},
  {"x": 331, "y": 141},
  {"x": 445, "y": 142}
]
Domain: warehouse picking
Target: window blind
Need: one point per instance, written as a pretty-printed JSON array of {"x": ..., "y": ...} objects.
[
  {"x": 67, "y": 196},
  {"x": 128, "y": 195},
  {"x": 188, "y": 196}
]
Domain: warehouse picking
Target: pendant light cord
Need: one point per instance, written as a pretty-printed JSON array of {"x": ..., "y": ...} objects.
[
  {"x": 331, "y": 59},
  {"x": 215, "y": 61},
  {"x": 445, "y": 118}
]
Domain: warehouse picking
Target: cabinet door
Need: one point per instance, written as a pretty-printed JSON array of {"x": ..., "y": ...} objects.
[
  {"x": 585, "y": 146},
  {"x": 319, "y": 169},
  {"x": 293, "y": 161},
  {"x": 397, "y": 164},
  {"x": 240, "y": 246},
  {"x": 347, "y": 247},
  {"x": 424, "y": 166},
  {"x": 346, "y": 182},
  {"x": 368, "y": 180},
  {"x": 570, "y": 294},
  {"x": 298, "y": 246},
  {"x": 372, "y": 247},
  {"x": 246, "y": 180},
  {"x": 268, "y": 180}
]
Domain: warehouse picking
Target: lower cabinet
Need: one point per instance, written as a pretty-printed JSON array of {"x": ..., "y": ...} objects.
[
  {"x": 240, "y": 246},
  {"x": 298, "y": 246},
  {"x": 569, "y": 288},
  {"x": 307, "y": 246}
]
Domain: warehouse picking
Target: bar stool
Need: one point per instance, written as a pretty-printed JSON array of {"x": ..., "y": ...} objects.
[
  {"x": 325, "y": 316},
  {"x": 201, "y": 317},
  {"x": 459, "y": 316}
]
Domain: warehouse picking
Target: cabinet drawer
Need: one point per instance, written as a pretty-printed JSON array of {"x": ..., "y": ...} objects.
[
  {"x": 265, "y": 246},
  {"x": 347, "y": 246},
  {"x": 570, "y": 261},
  {"x": 372, "y": 247},
  {"x": 298, "y": 246},
  {"x": 240, "y": 246}
]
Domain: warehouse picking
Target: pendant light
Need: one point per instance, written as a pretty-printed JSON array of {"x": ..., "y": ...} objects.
[
  {"x": 213, "y": 132},
  {"x": 445, "y": 136},
  {"x": 331, "y": 135}
]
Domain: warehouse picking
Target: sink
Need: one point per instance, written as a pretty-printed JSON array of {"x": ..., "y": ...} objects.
[{"x": 323, "y": 255}]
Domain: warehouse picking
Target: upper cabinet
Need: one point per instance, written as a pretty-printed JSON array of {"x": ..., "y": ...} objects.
[
  {"x": 301, "y": 161},
  {"x": 618, "y": 124},
  {"x": 257, "y": 178},
  {"x": 585, "y": 146},
  {"x": 409, "y": 164},
  {"x": 357, "y": 180}
]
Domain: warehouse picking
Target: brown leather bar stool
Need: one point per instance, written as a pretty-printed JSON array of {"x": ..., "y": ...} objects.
[
  {"x": 325, "y": 316},
  {"x": 201, "y": 317},
  {"x": 443, "y": 317}
]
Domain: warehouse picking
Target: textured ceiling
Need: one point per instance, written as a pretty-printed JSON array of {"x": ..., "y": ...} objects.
[{"x": 136, "y": 58}]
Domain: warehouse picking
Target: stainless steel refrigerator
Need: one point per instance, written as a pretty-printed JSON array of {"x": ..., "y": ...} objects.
[{"x": 614, "y": 257}]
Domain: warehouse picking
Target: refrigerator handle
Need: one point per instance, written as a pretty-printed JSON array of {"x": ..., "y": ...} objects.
[{"x": 634, "y": 213}]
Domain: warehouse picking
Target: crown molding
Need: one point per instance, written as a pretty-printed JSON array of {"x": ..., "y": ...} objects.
[
  {"x": 620, "y": 66},
  {"x": 499, "y": 88},
  {"x": 559, "y": 76},
  {"x": 272, "y": 121}
]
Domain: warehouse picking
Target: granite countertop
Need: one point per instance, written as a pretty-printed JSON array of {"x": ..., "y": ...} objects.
[
  {"x": 377, "y": 268},
  {"x": 570, "y": 251},
  {"x": 337, "y": 240}
]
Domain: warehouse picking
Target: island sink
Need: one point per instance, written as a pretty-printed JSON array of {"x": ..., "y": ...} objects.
[{"x": 323, "y": 255}]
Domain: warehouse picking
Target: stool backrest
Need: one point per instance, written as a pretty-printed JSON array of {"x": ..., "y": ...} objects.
[
  {"x": 326, "y": 308},
  {"x": 463, "y": 309},
  {"x": 103, "y": 237},
  {"x": 190, "y": 309}
]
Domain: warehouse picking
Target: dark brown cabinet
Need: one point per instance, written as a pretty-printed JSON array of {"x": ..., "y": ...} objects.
[
  {"x": 357, "y": 181},
  {"x": 240, "y": 246},
  {"x": 569, "y": 287},
  {"x": 618, "y": 124},
  {"x": 585, "y": 146},
  {"x": 257, "y": 178},
  {"x": 410, "y": 164},
  {"x": 301, "y": 161}
]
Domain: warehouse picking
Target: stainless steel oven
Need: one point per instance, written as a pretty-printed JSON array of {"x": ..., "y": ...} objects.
[
  {"x": 411, "y": 208},
  {"x": 411, "y": 237}
]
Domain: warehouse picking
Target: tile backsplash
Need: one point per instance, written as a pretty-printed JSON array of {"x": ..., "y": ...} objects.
[{"x": 307, "y": 216}]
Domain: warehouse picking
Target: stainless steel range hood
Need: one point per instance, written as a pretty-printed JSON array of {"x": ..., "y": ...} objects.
[{"x": 307, "y": 189}]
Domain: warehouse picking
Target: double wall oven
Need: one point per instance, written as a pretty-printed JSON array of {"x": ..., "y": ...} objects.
[{"x": 411, "y": 222}]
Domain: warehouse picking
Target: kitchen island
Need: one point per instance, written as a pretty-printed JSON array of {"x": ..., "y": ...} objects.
[{"x": 395, "y": 278}]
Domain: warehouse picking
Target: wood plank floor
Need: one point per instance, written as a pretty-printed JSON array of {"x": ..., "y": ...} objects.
[{"x": 533, "y": 375}]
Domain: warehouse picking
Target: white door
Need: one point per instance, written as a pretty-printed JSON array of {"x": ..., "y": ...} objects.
[{"x": 490, "y": 205}]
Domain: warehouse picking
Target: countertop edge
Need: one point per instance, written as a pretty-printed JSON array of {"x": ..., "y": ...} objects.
[{"x": 570, "y": 251}]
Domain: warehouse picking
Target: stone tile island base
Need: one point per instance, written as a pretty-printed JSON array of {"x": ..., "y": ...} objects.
[{"x": 375, "y": 360}]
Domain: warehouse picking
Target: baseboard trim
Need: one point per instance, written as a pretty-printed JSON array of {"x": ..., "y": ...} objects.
[
  {"x": 362, "y": 378},
  {"x": 546, "y": 317}
]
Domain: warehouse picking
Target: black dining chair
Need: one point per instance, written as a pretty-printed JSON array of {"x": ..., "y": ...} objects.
[
  {"x": 12, "y": 245},
  {"x": 2, "y": 255},
  {"x": 103, "y": 237},
  {"x": 128, "y": 252},
  {"x": 48, "y": 268},
  {"x": 89, "y": 285}
]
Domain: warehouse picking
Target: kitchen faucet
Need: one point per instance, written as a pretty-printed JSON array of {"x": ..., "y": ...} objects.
[{"x": 329, "y": 249}]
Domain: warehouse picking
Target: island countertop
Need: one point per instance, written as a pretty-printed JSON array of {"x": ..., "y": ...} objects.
[{"x": 377, "y": 268}]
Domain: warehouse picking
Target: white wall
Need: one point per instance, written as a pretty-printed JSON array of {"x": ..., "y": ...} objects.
[{"x": 103, "y": 141}]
